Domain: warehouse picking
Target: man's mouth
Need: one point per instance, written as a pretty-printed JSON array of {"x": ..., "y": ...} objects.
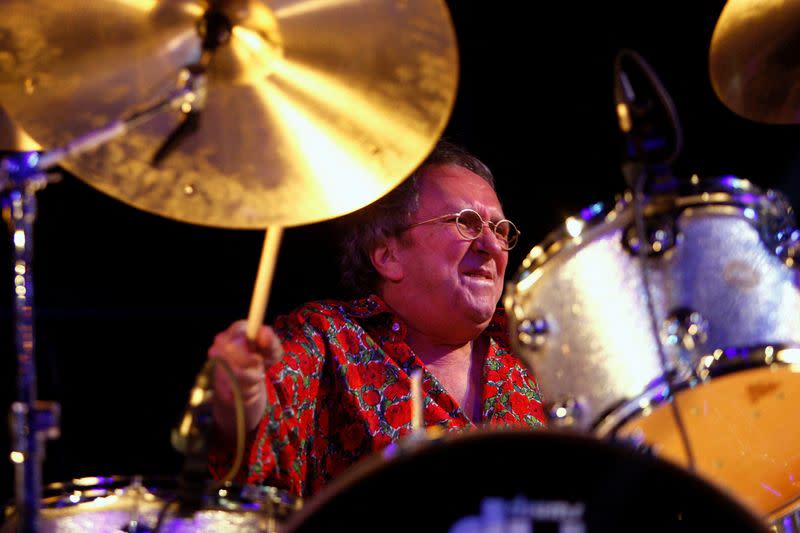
[{"x": 485, "y": 274}]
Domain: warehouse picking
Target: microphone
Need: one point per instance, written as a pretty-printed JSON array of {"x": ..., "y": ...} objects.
[
  {"x": 191, "y": 438},
  {"x": 653, "y": 139},
  {"x": 646, "y": 116}
]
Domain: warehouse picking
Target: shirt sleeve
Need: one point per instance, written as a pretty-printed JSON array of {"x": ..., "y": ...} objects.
[{"x": 276, "y": 452}]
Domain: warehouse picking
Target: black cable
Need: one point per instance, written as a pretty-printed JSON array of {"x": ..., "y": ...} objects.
[{"x": 644, "y": 156}]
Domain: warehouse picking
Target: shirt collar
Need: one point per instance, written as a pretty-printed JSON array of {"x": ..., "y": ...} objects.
[
  {"x": 369, "y": 307},
  {"x": 373, "y": 306}
]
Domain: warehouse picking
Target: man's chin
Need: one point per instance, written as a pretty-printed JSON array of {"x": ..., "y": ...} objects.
[{"x": 482, "y": 314}]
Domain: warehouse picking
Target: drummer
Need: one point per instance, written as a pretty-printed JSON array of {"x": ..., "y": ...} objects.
[{"x": 332, "y": 381}]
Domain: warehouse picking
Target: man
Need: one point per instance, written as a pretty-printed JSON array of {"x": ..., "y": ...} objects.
[{"x": 429, "y": 259}]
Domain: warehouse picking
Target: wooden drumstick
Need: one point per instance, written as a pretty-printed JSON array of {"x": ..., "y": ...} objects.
[
  {"x": 266, "y": 268},
  {"x": 416, "y": 401}
]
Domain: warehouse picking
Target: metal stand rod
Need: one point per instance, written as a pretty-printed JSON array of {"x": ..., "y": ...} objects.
[
  {"x": 21, "y": 176},
  {"x": 31, "y": 421}
]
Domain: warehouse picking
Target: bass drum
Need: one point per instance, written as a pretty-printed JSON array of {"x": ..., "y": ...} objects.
[
  {"x": 695, "y": 355},
  {"x": 139, "y": 505},
  {"x": 521, "y": 481}
]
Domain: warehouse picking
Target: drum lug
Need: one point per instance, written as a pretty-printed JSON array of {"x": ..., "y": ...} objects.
[
  {"x": 684, "y": 333},
  {"x": 566, "y": 414},
  {"x": 661, "y": 236},
  {"x": 532, "y": 332},
  {"x": 778, "y": 228},
  {"x": 788, "y": 249}
]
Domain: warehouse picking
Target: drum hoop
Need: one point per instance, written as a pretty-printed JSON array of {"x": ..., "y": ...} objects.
[
  {"x": 791, "y": 511},
  {"x": 677, "y": 197},
  {"x": 717, "y": 364}
]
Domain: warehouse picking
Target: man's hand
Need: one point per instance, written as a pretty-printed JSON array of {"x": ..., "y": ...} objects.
[{"x": 248, "y": 360}]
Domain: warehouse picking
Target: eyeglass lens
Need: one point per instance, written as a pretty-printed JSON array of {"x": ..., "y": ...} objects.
[{"x": 470, "y": 224}]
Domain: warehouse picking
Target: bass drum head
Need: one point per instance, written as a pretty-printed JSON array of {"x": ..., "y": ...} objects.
[
  {"x": 521, "y": 481},
  {"x": 735, "y": 427}
]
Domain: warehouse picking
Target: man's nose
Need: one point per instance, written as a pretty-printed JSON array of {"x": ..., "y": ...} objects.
[{"x": 488, "y": 240}]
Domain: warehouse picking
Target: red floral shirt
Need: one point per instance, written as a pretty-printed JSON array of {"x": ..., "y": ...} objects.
[{"x": 343, "y": 391}]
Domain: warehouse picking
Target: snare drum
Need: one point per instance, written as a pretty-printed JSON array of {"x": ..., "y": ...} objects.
[
  {"x": 700, "y": 364},
  {"x": 521, "y": 481},
  {"x": 136, "y": 504}
]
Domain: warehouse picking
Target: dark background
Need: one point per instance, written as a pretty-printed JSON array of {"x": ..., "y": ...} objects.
[{"x": 128, "y": 302}]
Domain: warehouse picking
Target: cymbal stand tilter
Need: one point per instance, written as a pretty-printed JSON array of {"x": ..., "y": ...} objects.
[{"x": 21, "y": 177}]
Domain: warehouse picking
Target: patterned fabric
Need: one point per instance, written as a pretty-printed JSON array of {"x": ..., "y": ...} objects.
[{"x": 343, "y": 391}]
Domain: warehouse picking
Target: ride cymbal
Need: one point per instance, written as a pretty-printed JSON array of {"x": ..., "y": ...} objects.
[
  {"x": 754, "y": 64},
  {"x": 313, "y": 108}
]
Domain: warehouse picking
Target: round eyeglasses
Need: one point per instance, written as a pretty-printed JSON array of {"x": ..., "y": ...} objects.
[{"x": 469, "y": 224}]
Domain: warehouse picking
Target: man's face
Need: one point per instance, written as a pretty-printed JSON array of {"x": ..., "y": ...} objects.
[{"x": 453, "y": 283}]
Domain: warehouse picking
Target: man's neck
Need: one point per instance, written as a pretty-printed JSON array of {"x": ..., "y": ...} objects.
[
  {"x": 434, "y": 352},
  {"x": 457, "y": 368}
]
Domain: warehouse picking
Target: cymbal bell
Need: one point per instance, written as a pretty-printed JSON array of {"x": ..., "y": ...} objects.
[
  {"x": 753, "y": 60},
  {"x": 312, "y": 110}
]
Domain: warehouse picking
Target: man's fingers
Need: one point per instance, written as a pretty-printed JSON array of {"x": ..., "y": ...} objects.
[
  {"x": 248, "y": 360},
  {"x": 233, "y": 346},
  {"x": 246, "y": 378},
  {"x": 269, "y": 345}
]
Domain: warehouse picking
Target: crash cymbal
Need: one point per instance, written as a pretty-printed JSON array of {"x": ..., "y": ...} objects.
[
  {"x": 754, "y": 63},
  {"x": 313, "y": 108}
]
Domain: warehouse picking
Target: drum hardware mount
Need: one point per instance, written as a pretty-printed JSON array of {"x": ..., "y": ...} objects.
[
  {"x": 779, "y": 230},
  {"x": 789, "y": 249},
  {"x": 661, "y": 237},
  {"x": 532, "y": 332},
  {"x": 567, "y": 414},
  {"x": 684, "y": 333}
]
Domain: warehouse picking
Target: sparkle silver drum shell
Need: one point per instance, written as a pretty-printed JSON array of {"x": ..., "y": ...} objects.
[{"x": 713, "y": 344}]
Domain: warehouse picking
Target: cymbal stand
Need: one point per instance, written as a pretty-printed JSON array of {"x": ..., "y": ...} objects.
[
  {"x": 31, "y": 421},
  {"x": 21, "y": 177}
]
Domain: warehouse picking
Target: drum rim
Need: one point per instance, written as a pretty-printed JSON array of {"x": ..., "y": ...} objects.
[
  {"x": 791, "y": 509},
  {"x": 716, "y": 364},
  {"x": 676, "y": 195}
]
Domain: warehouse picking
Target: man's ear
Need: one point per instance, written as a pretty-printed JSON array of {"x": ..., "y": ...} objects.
[{"x": 385, "y": 259}]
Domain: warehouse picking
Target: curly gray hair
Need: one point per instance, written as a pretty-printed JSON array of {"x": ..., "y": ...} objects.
[{"x": 388, "y": 217}]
